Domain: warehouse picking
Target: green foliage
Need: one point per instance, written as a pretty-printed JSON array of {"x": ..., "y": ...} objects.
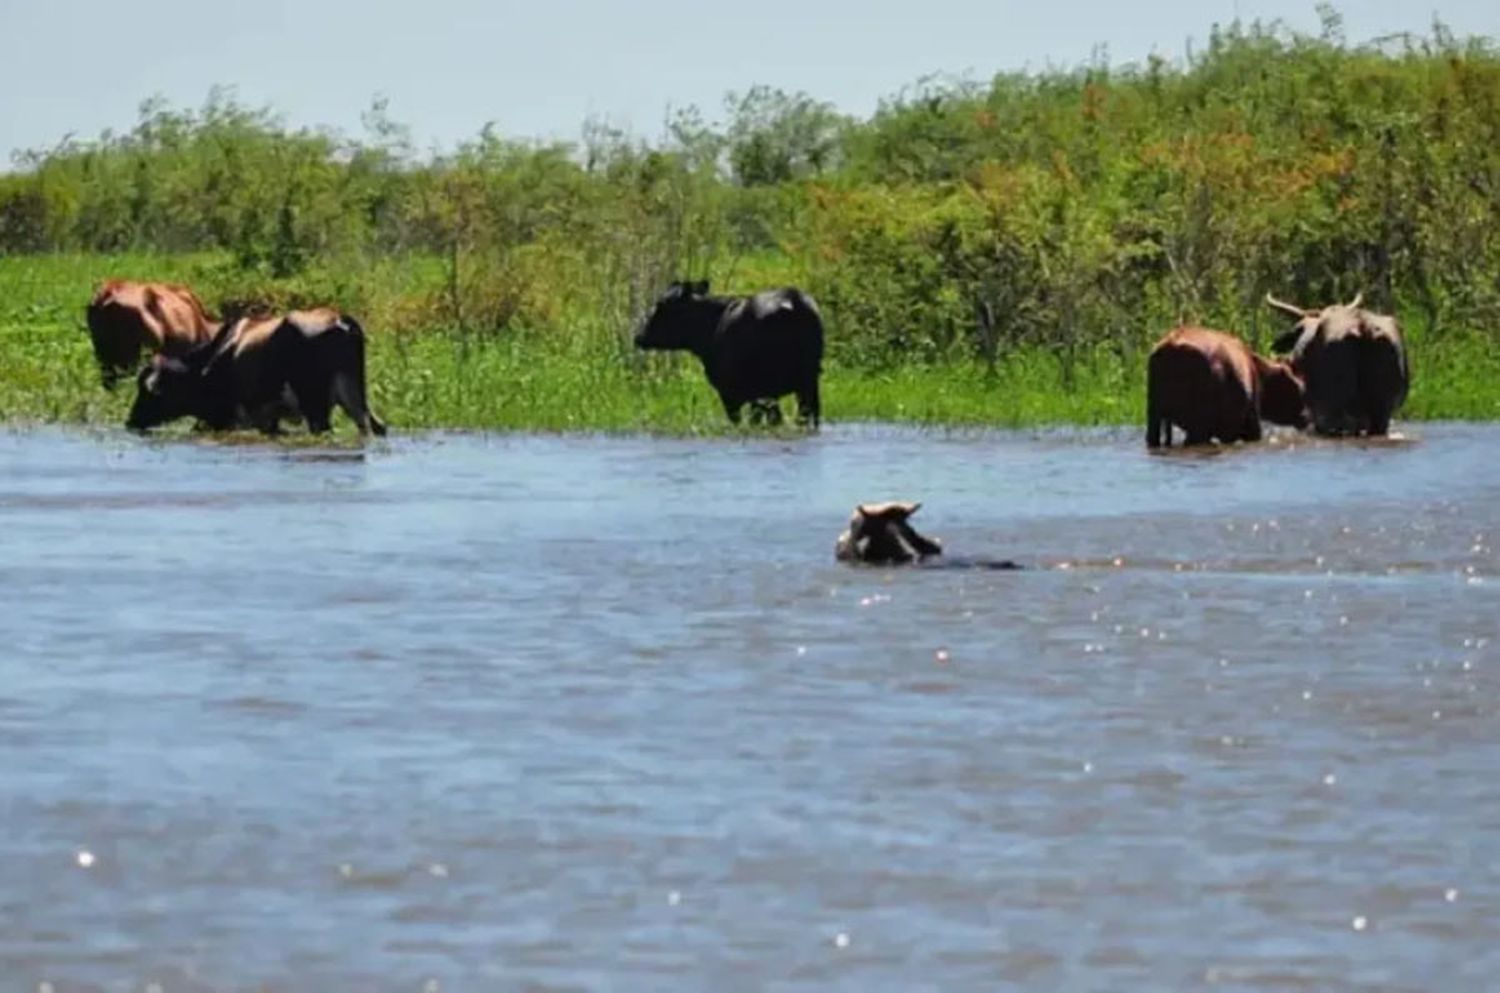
[
  {"x": 966, "y": 236},
  {"x": 536, "y": 379},
  {"x": 773, "y": 137}
]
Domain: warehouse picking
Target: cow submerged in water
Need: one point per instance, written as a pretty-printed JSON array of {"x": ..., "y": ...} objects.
[
  {"x": 126, "y": 318},
  {"x": 257, "y": 370},
  {"x": 755, "y": 349},
  {"x": 881, "y": 534},
  {"x": 1213, "y": 386},
  {"x": 1354, "y": 362}
]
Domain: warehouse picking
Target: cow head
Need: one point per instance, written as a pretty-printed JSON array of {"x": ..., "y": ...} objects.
[
  {"x": 1283, "y": 399},
  {"x": 166, "y": 389},
  {"x": 1307, "y": 323},
  {"x": 676, "y": 320},
  {"x": 879, "y": 534}
]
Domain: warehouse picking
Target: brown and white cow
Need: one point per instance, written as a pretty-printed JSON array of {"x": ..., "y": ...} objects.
[
  {"x": 126, "y": 318},
  {"x": 257, "y": 370},
  {"x": 1353, "y": 361}
]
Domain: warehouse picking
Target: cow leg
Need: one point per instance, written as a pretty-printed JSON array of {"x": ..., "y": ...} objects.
[
  {"x": 315, "y": 401},
  {"x": 318, "y": 410},
  {"x": 267, "y": 420},
  {"x": 765, "y": 412},
  {"x": 1251, "y": 431},
  {"x": 809, "y": 410},
  {"x": 1158, "y": 428}
]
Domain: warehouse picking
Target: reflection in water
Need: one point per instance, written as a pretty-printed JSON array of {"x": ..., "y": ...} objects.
[{"x": 510, "y": 712}]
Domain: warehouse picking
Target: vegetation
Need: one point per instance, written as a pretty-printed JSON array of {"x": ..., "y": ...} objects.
[{"x": 1000, "y": 252}]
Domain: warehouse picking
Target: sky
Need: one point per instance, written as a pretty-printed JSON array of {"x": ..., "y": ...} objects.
[{"x": 540, "y": 69}]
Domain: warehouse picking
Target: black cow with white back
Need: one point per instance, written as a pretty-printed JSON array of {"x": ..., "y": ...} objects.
[{"x": 755, "y": 349}]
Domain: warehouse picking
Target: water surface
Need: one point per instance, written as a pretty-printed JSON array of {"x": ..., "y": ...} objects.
[{"x": 466, "y": 713}]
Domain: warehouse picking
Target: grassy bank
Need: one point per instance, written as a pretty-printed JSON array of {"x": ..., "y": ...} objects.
[
  {"x": 586, "y": 377},
  {"x": 999, "y": 251}
]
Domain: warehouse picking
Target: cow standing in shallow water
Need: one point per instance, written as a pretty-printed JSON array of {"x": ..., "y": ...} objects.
[
  {"x": 754, "y": 349},
  {"x": 1353, "y": 361},
  {"x": 1212, "y": 385},
  {"x": 258, "y": 370},
  {"x": 126, "y": 318}
]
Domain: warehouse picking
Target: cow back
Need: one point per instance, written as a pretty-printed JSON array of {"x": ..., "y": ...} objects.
[{"x": 769, "y": 344}]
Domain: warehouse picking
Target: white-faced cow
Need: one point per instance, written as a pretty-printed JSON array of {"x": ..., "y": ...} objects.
[
  {"x": 1353, "y": 362},
  {"x": 754, "y": 349},
  {"x": 257, "y": 370}
]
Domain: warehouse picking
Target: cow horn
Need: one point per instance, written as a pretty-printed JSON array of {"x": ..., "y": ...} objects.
[
  {"x": 1295, "y": 311},
  {"x": 1359, "y": 298}
]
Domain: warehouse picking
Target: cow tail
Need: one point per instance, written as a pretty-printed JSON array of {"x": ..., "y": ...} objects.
[{"x": 349, "y": 381}]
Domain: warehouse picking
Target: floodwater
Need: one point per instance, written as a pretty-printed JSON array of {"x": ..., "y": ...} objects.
[{"x": 515, "y": 713}]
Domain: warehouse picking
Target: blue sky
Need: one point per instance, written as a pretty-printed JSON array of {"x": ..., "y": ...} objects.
[{"x": 540, "y": 69}]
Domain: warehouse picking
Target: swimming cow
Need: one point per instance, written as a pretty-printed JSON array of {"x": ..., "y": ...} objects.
[
  {"x": 1353, "y": 361},
  {"x": 1213, "y": 386},
  {"x": 125, "y": 318},
  {"x": 881, "y": 534},
  {"x": 754, "y": 349},
  {"x": 257, "y": 370}
]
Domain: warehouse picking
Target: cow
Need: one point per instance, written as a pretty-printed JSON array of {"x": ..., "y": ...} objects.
[
  {"x": 881, "y": 534},
  {"x": 125, "y": 318},
  {"x": 1353, "y": 361},
  {"x": 257, "y": 370},
  {"x": 1213, "y": 386},
  {"x": 755, "y": 349}
]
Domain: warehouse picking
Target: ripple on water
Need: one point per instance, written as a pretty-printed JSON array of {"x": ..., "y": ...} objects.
[{"x": 577, "y": 713}]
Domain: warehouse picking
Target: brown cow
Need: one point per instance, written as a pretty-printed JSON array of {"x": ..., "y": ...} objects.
[
  {"x": 258, "y": 370},
  {"x": 1213, "y": 386},
  {"x": 126, "y": 317}
]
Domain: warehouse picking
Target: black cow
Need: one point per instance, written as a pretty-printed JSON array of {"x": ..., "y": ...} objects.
[
  {"x": 754, "y": 349},
  {"x": 881, "y": 534},
  {"x": 257, "y": 370},
  {"x": 1353, "y": 361}
]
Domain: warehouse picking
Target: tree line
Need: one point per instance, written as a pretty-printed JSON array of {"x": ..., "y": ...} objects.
[{"x": 1071, "y": 209}]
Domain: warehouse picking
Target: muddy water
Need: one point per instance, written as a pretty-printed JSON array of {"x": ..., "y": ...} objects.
[{"x": 468, "y": 713}]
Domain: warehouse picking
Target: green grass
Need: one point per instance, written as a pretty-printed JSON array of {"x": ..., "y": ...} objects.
[{"x": 592, "y": 380}]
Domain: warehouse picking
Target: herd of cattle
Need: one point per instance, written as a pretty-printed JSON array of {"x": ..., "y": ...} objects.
[
  {"x": 245, "y": 372},
  {"x": 1346, "y": 373},
  {"x": 1346, "y": 370}
]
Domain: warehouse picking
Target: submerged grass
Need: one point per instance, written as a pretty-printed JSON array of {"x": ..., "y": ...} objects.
[{"x": 534, "y": 380}]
